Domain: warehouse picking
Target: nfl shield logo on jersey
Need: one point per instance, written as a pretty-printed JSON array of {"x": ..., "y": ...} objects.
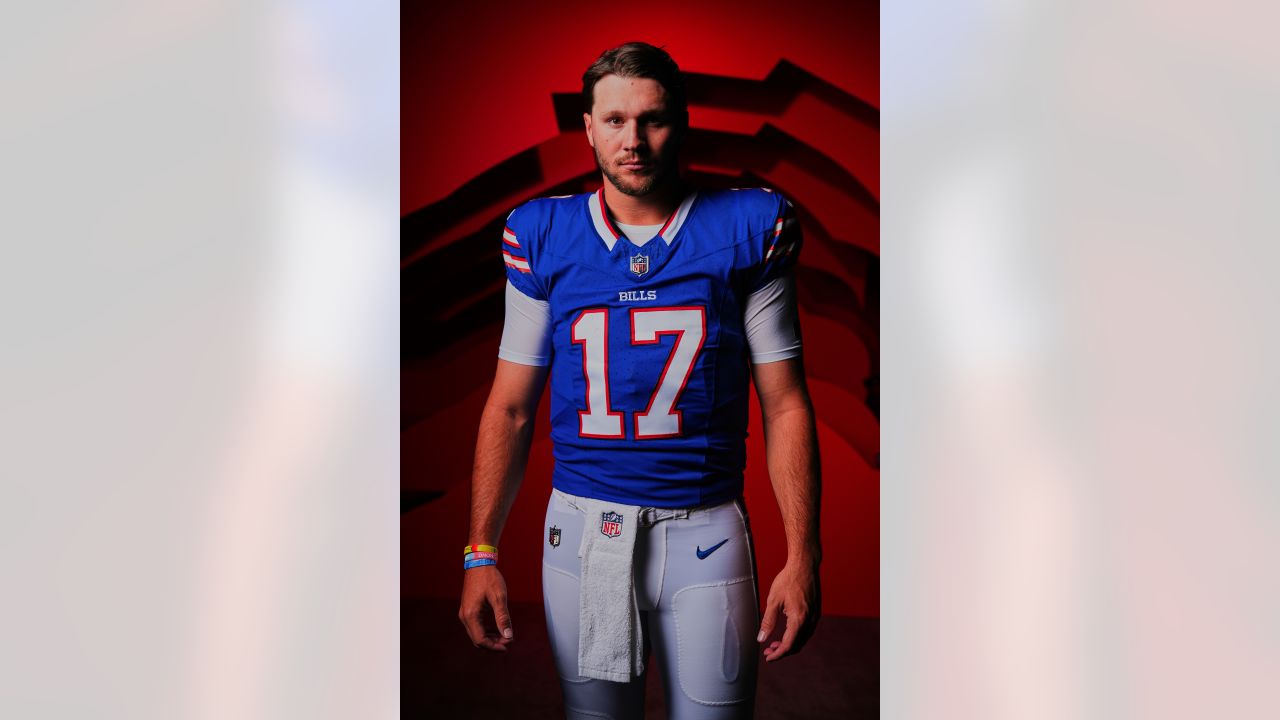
[
  {"x": 639, "y": 264},
  {"x": 553, "y": 536},
  {"x": 611, "y": 524}
]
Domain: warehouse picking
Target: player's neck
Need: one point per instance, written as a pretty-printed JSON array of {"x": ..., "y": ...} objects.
[{"x": 652, "y": 209}]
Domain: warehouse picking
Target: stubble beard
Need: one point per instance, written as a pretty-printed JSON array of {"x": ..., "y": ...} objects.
[{"x": 647, "y": 183}]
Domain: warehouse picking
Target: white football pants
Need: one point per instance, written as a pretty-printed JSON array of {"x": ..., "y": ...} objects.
[{"x": 695, "y": 586}]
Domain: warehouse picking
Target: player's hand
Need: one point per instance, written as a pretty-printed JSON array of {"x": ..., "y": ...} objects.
[
  {"x": 794, "y": 606},
  {"x": 484, "y": 611}
]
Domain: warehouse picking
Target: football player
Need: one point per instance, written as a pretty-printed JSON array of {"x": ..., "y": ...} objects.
[{"x": 652, "y": 305}]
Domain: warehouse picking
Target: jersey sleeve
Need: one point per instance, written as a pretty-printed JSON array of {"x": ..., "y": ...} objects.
[
  {"x": 519, "y": 238},
  {"x": 780, "y": 243}
]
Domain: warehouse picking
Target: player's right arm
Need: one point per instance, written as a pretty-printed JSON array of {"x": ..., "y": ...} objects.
[
  {"x": 502, "y": 448},
  {"x": 506, "y": 427}
]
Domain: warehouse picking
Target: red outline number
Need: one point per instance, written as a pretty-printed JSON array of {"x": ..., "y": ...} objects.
[
  {"x": 682, "y": 322},
  {"x": 660, "y": 418},
  {"x": 591, "y": 330}
]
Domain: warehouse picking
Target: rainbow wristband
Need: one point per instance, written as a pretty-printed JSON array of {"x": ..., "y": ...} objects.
[
  {"x": 479, "y": 548},
  {"x": 480, "y": 556},
  {"x": 478, "y": 563}
]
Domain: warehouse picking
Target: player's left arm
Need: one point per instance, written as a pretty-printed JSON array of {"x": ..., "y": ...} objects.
[{"x": 791, "y": 444}]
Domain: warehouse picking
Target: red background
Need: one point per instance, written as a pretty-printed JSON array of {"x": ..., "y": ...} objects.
[{"x": 784, "y": 95}]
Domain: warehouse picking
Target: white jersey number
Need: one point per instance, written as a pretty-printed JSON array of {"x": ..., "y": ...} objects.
[{"x": 648, "y": 325}]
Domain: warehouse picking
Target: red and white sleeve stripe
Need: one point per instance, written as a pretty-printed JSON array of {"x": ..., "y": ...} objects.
[
  {"x": 518, "y": 263},
  {"x": 509, "y": 237},
  {"x": 781, "y": 245}
]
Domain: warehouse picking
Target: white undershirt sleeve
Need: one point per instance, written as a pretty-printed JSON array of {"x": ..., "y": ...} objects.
[
  {"x": 772, "y": 321},
  {"x": 526, "y": 329}
]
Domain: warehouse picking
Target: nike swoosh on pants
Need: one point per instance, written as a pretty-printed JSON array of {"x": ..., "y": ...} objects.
[{"x": 702, "y": 554}]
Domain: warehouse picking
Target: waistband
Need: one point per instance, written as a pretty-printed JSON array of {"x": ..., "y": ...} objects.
[{"x": 648, "y": 516}]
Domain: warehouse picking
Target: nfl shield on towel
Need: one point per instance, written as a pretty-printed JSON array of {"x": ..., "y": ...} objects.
[
  {"x": 553, "y": 536},
  {"x": 639, "y": 264},
  {"x": 610, "y": 524}
]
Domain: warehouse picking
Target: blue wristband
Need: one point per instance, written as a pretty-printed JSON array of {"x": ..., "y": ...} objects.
[{"x": 477, "y": 563}]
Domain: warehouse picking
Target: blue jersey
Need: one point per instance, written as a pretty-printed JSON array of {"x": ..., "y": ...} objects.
[{"x": 649, "y": 371}]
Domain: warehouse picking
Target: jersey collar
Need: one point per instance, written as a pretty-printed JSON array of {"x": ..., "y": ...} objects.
[{"x": 609, "y": 234}]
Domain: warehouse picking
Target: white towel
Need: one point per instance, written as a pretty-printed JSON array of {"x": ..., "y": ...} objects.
[{"x": 610, "y": 643}]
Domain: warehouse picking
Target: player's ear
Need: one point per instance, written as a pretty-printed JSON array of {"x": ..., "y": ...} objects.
[{"x": 586, "y": 121}]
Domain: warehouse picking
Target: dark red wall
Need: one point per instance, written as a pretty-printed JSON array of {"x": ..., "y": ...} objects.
[{"x": 784, "y": 95}]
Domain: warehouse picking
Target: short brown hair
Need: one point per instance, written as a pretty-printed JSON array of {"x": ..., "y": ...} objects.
[{"x": 638, "y": 60}]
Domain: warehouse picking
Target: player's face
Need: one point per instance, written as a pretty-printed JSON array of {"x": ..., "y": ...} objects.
[{"x": 634, "y": 134}]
